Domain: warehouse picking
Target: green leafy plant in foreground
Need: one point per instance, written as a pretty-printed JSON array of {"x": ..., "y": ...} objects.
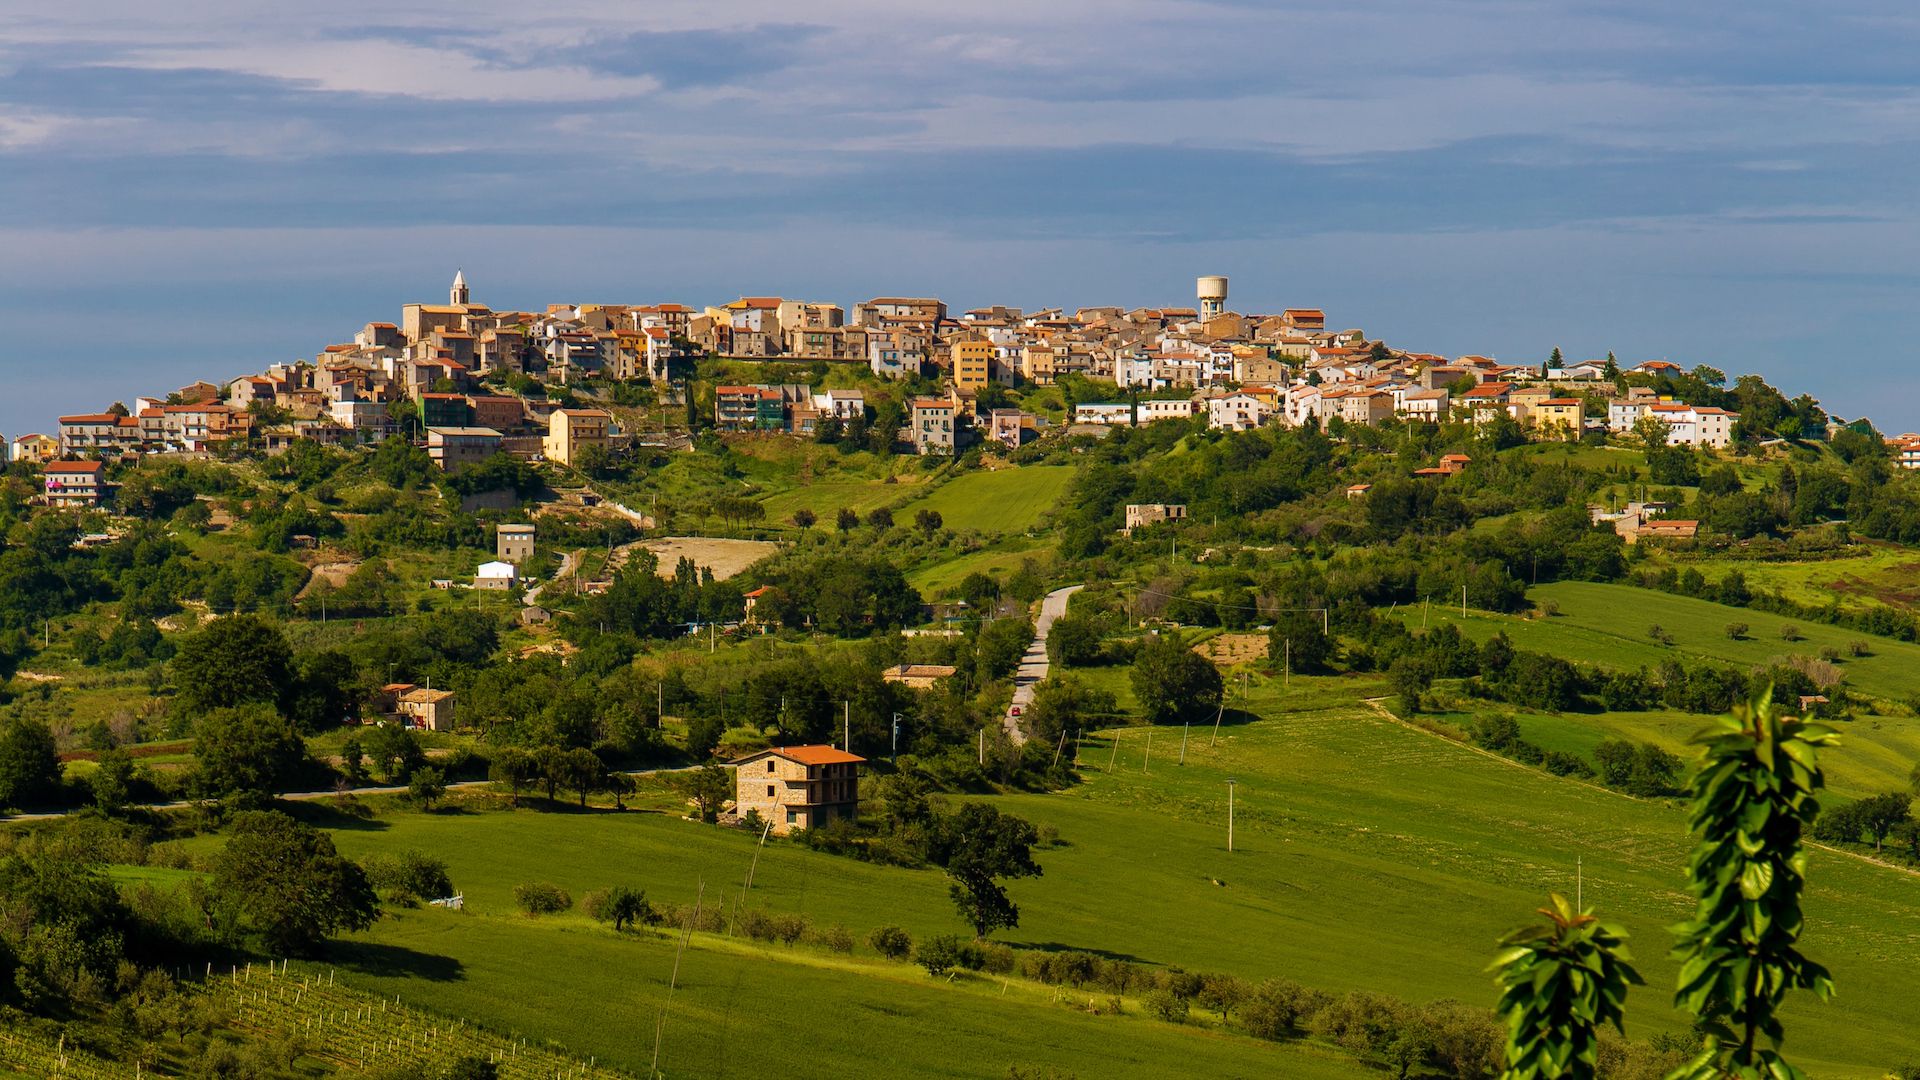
[
  {"x": 1753, "y": 796},
  {"x": 1560, "y": 983}
]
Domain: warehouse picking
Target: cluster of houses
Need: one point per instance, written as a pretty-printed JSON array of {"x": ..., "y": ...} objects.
[{"x": 1236, "y": 371}]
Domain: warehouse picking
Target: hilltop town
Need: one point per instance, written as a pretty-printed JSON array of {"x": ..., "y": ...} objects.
[{"x": 467, "y": 382}]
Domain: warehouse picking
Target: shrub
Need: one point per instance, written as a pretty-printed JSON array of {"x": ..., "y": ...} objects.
[
  {"x": 997, "y": 959},
  {"x": 1279, "y": 1009},
  {"x": 1562, "y": 763},
  {"x": 838, "y": 939},
  {"x": 759, "y": 925},
  {"x": 939, "y": 954},
  {"x": 1659, "y": 634},
  {"x": 789, "y": 928},
  {"x": 408, "y": 877},
  {"x": 1789, "y": 632},
  {"x": 1167, "y": 1006},
  {"x": 890, "y": 942},
  {"x": 621, "y": 905},
  {"x": 1859, "y": 648},
  {"x": 1737, "y": 631},
  {"x": 541, "y": 898}
]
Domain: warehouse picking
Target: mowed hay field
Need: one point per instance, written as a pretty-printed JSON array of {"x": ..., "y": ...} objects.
[
  {"x": 1369, "y": 855},
  {"x": 1608, "y": 626},
  {"x": 1002, "y": 501}
]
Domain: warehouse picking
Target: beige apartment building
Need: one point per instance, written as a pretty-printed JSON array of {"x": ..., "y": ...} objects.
[
  {"x": 569, "y": 431},
  {"x": 798, "y": 787}
]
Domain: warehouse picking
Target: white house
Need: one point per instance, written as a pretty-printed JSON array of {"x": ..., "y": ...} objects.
[
  {"x": 1239, "y": 411},
  {"x": 496, "y": 575}
]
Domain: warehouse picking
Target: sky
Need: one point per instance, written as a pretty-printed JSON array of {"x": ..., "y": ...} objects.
[{"x": 198, "y": 190}]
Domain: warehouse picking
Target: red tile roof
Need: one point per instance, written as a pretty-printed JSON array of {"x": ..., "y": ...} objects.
[{"x": 816, "y": 755}]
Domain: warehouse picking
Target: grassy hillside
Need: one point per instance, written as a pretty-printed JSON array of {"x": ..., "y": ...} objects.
[
  {"x": 1608, "y": 625},
  {"x": 1878, "y": 751},
  {"x": 1368, "y": 856},
  {"x": 1007, "y": 500}
]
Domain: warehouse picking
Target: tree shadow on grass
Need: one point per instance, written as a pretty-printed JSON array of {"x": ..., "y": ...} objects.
[
  {"x": 1104, "y": 954},
  {"x": 322, "y": 814},
  {"x": 394, "y": 961}
]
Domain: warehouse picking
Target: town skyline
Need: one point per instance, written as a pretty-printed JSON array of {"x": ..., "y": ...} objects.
[{"x": 36, "y": 411}]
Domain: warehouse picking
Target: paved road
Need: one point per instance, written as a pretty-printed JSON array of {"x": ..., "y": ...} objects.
[
  {"x": 1033, "y": 666},
  {"x": 568, "y": 561}
]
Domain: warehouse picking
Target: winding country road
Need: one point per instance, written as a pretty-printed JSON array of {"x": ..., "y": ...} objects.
[{"x": 1033, "y": 666}]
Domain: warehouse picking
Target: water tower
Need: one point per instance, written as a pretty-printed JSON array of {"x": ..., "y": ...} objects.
[{"x": 1213, "y": 296}]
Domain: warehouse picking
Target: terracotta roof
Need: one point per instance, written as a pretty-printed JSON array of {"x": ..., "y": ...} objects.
[
  {"x": 812, "y": 755},
  {"x": 91, "y": 418},
  {"x": 74, "y": 467}
]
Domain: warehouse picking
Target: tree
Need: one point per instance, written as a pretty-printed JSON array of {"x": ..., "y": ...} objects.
[
  {"x": 1737, "y": 631},
  {"x": 979, "y": 845},
  {"x": 395, "y": 751},
  {"x": 426, "y": 786},
  {"x": 1171, "y": 681},
  {"x": 1753, "y": 796},
  {"x": 515, "y": 768},
  {"x": 880, "y": 518},
  {"x": 1299, "y": 640},
  {"x": 624, "y": 907},
  {"x": 803, "y": 518},
  {"x": 709, "y": 787},
  {"x": 846, "y": 519},
  {"x": 1074, "y": 641},
  {"x": 582, "y": 770},
  {"x": 113, "y": 781},
  {"x": 29, "y": 764},
  {"x": 1409, "y": 677},
  {"x": 470, "y": 1067},
  {"x": 281, "y": 887},
  {"x": 235, "y": 661},
  {"x": 248, "y": 752},
  {"x": 1559, "y": 985},
  {"x": 928, "y": 521}
]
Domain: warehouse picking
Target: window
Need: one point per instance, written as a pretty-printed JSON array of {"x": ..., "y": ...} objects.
[
  {"x": 793, "y": 817},
  {"x": 769, "y": 791},
  {"x": 769, "y": 765}
]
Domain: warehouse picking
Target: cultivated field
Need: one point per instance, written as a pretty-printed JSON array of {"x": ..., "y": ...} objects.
[{"x": 726, "y": 557}]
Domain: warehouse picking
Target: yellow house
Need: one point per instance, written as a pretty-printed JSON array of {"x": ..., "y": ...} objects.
[
  {"x": 570, "y": 431},
  {"x": 972, "y": 362},
  {"x": 1036, "y": 364},
  {"x": 1558, "y": 415}
]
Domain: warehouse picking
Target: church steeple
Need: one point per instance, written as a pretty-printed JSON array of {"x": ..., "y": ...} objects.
[{"x": 459, "y": 294}]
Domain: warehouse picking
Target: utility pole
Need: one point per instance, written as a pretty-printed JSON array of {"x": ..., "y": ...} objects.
[
  {"x": 983, "y": 746},
  {"x": 1463, "y": 599},
  {"x": 1286, "y": 670},
  {"x": 1230, "y": 784},
  {"x": 896, "y": 735},
  {"x": 659, "y": 699},
  {"x": 1147, "y": 758},
  {"x": 1184, "y": 728},
  {"x": 1579, "y": 882},
  {"x": 1115, "y": 755},
  {"x": 846, "y": 731},
  {"x": 1217, "y": 714}
]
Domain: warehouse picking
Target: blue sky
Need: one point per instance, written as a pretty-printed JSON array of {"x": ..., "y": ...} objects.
[{"x": 200, "y": 190}]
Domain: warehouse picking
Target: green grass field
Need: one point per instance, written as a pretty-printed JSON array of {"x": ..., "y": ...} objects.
[
  {"x": 996, "y": 562},
  {"x": 1003, "y": 501},
  {"x": 1369, "y": 855},
  {"x": 1608, "y": 625},
  {"x": 1878, "y": 752},
  {"x": 1877, "y": 574}
]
